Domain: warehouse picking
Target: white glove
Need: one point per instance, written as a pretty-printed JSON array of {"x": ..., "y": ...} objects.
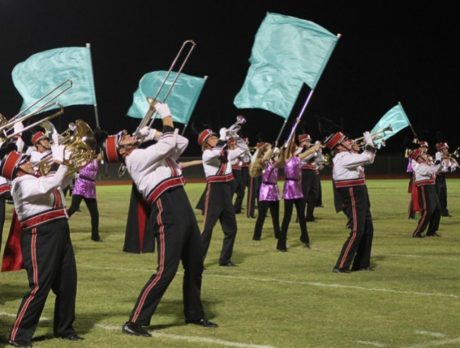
[
  {"x": 67, "y": 154},
  {"x": 163, "y": 110},
  {"x": 223, "y": 133},
  {"x": 57, "y": 152},
  {"x": 55, "y": 137},
  {"x": 18, "y": 127},
  {"x": 368, "y": 139},
  {"x": 276, "y": 151},
  {"x": 147, "y": 133}
]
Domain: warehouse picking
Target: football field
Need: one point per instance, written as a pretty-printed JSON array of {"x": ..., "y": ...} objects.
[{"x": 271, "y": 299}]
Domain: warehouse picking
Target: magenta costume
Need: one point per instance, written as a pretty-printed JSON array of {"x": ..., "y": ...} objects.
[
  {"x": 269, "y": 190},
  {"x": 85, "y": 184},
  {"x": 293, "y": 179}
]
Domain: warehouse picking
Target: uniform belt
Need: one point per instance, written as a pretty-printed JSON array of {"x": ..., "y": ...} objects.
[
  {"x": 44, "y": 217},
  {"x": 425, "y": 182},
  {"x": 4, "y": 188},
  {"x": 292, "y": 179},
  {"x": 163, "y": 186},
  {"x": 309, "y": 167},
  {"x": 350, "y": 182},
  {"x": 219, "y": 178}
]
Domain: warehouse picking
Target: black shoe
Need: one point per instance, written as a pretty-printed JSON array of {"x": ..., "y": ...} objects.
[
  {"x": 255, "y": 238},
  {"x": 417, "y": 236},
  {"x": 283, "y": 249},
  {"x": 434, "y": 234},
  {"x": 339, "y": 270},
  {"x": 96, "y": 238},
  {"x": 363, "y": 269},
  {"x": 20, "y": 343},
  {"x": 72, "y": 337},
  {"x": 227, "y": 264},
  {"x": 202, "y": 322},
  {"x": 135, "y": 329},
  {"x": 310, "y": 219},
  {"x": 448, "y": 215}
]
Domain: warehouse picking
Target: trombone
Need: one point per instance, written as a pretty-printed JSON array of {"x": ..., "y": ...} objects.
[
  {"x": 151, "y": 113},
  {"x": 7, "y": 125}
]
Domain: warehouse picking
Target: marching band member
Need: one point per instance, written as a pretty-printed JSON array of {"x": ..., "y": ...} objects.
[
  {"x": 351, "y": 187},
  {"x": 42, "y": 147},
  {"x": 266, "y": 165},
  {"x": 448, "y": 165},
  {"x": 46, "y": 246},
  {"x": 292, "y": 192},
  {"x": 159, "y": 179},
  {"x": 428, "y": 201},
  {"x": 217, "y": 167}
]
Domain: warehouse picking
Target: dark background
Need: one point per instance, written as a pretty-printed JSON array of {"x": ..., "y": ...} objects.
[{"x": 390, "y": 51}]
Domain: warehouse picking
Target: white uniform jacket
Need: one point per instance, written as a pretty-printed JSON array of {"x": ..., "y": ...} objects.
[
  {"x": 425, "y": 174},
  {"x": 154, "y": 169},
  {"x": 217, "y": 170},
  {"x": 347, "y": 167},
  {"x": 40, "y": 199},
  {"x": 447, "y": 165}
]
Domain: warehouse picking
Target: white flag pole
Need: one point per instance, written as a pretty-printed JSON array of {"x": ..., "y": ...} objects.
[{"x": 96, "y": 113}]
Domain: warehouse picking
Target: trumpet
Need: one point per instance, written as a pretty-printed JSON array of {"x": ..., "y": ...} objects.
[
  {"x": 149, "y": 117},
  {"x": 232, "y": 131},
  {"x": 375, "y": 136}
]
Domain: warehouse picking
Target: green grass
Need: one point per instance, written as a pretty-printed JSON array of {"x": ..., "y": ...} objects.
[{"x": 271, "y": 299}]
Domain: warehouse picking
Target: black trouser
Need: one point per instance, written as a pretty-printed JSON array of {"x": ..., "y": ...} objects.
[
  {"x": 218, "y": 206},
  {"x": 274, "y": 212},
  {"x": 91, "y": 203},
  {"x": 238, "y": 189},
  {"x": 357, "y": 247},
  {"x": 2, "y": 217},
  {"x": 50, "y": 264},
  {"x": 310, "y": 192},
  {"x": 319, "y": 200},
  {"x": 430, "y": 213},
  {"x": 253, "y": 196},
  {"x": 178, "y": 239},
  {"x": 300, "y": 208},
  {"x": 441, "y": 188}
]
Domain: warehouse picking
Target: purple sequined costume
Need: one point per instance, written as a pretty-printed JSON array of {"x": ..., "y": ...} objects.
[
  {"x": 85, "y": 184},
  {"x": 293, "y": 182},
  {"x": 269, "y": 190}
]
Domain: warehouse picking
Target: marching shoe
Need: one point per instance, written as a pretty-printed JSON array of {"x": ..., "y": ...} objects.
[
  {"x": 229, "y": 263},
  {"x": 20, "y": 343},
  {"x": 72, "y": 337},
  {"x": 338, "y": 270},
  {"x": 202, "y": 322},
  {"x": 135, "y": 329}
]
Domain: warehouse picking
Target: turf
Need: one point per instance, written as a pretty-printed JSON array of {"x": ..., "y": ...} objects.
[{"x": 271, "y": 299}]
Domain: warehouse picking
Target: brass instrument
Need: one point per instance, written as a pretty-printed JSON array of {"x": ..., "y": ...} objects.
[
  {"x": 232, "y": 131},
  {"x": 48, "y": 102},
  {"x": 149, "y": 117},
  {"x": 78, "y": 140},
  {"x": 456, "y": 153},
  {"x": 375, "y": 136}
]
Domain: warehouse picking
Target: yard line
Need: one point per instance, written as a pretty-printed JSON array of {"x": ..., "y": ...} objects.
[
  {"x": 435, "y": 343},
  {"x": 429, "y": 333},
  {"x": 199, "y": 339},
  {"x": 298, "y": 282},
  {"x": 369, "y": 343}
]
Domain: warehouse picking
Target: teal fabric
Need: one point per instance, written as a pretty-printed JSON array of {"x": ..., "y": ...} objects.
[
  {"x": 181, "y": 101},
  {"x": 396, "y": 118},
  {"x": 43, "y": 71},
  {"x": 287, "y": 52}
]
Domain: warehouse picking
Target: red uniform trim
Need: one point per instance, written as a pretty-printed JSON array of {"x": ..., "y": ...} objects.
[
  {"x": 350, "y": 183},
  {"x": 219, "y": 178},
  {"x": 163, "y": 186},
  {"x": 44, "y": 217},
  {"x": 425, "y": 182}
]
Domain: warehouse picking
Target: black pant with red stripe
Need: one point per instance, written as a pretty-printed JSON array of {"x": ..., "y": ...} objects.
[
  {"x": 238, "y": 189},
  {"x": 441, "y": 189},
  {"x": 357, "y": 247},
  {"x": 430, "y": 214},
  {"x": 310, "y": 192},
  {"x": 218, "y": 206},
  {"x": 178, "y": 239},
  {"x": 50, "y": 264}
]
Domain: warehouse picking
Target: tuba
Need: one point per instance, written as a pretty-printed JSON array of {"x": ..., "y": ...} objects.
[{"x": 79, "y": 141}]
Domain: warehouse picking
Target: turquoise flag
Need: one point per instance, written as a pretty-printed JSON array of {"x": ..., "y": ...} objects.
[
  {"x": 395, "y": 118},
  {"x": 181, "y": 101},
  {"x": 287, "y": 52},
  {"x": 43, "y": 71}
]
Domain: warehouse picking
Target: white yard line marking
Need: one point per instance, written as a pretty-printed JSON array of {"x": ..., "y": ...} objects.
[
  {"x": 429, "y": 333},
  {"x": 435, "y": 343},
  {"x": 369, "y": 343},
  {"x": 199, "y": 339},
  {"x": 299, "y": 282}
]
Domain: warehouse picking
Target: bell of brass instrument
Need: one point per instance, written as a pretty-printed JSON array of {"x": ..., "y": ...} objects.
[
  {"x": 375, "y": 136},
  {"x": 232, "y": 131},
  {"x": 79, "y": 141}
]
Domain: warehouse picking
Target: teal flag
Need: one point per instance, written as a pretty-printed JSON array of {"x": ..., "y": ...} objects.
[
  {"x": 395, "y": 118},
  {"x": 43, "y": 71},
  {"x": 287, "y": 52},
  {"x": 181, "y": 101}
]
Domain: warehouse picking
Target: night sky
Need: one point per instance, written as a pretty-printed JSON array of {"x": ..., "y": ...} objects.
[{"x": 389, "y": 52}]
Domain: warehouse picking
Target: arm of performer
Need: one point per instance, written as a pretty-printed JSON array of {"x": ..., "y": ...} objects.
[
  {"x": 240, "y": 148},
  {"x": 366, "y": 157},
  {"x": 309, "y": 153}
]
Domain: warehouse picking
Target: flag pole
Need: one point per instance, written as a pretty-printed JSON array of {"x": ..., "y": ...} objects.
[
  {"x": 410, "y": 124},
  {"x": 205, "y": 77},
  {"x": 96, "y": 113}
]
